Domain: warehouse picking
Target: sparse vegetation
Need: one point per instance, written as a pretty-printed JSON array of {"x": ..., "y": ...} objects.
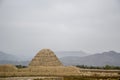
[
  {"x": 38, "y": 79},
  {"x": 107, "y": 67},
  {"x": 21, "y": 66}
]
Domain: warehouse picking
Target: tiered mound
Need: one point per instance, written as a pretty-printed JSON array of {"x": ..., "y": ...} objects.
[{"x": 45, "y": 57}]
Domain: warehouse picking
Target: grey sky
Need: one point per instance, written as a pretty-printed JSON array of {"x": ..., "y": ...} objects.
[{"x": 27, "y": 26}]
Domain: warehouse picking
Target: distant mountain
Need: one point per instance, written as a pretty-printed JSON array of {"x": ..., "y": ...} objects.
[
  {"x": 7, "y": 57},
  {"x": 24, "y": 63},
  {"x": 11, "y": 59},
  {"x": 99, "y": 59}
]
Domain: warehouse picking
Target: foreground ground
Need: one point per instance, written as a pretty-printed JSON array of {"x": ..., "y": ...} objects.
[
  {"x": 61, "y": 78},
  {"x": 85, "y": 74}
]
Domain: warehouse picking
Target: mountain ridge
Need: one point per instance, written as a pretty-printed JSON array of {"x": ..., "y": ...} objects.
[{"x": 99, "y": 59}]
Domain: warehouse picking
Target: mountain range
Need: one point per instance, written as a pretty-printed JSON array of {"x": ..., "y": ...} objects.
[
  {"x": 98, "y": 59},
  {"x": 72, "y": 58}
]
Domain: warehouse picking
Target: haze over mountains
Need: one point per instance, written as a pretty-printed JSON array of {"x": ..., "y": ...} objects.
[
  {"x": 7, "y": 57},
  {"x": 71, "y": 58},
  {"x": 99, "y": 59},
  {"x": 61, "y": 54}
]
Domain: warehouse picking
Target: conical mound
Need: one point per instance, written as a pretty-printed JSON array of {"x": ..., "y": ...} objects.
[{"x": 45, "y": 57}]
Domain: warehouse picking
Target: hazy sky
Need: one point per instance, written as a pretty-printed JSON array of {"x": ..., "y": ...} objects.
[{"x": 26, "y": 26}]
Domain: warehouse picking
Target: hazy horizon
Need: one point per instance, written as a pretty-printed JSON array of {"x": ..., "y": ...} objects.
[{"x": 27, "y": 26}]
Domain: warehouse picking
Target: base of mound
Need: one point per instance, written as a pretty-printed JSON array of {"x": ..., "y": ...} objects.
[{"x": 42, "y": 71}]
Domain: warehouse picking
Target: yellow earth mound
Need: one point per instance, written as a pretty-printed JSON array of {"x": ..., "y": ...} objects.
[{"x": 7, "y": 68}]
